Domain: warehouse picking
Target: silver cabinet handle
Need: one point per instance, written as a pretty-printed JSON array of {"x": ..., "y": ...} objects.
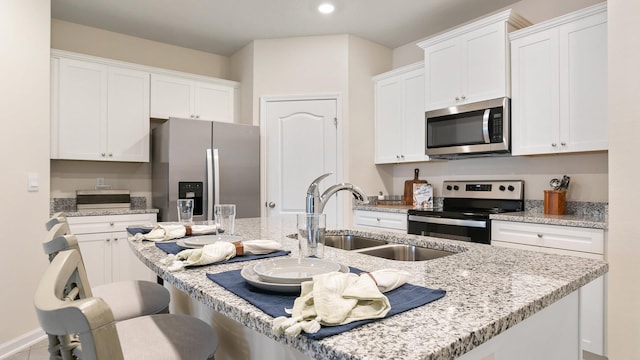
[
  {"x": 111, "y": 223},
  {"x": 197, "y": 116},
  {"x": 402, "y": 157},
  {"x": 378, "y": 219},
  {"x": 457, "y": 98},
  {"x": 554, "y": 144},
  {"x": 110, "y": 155},
  {"x": 563, "y": 143},
  {"x": 272, "y": 204},
  {"x": 540, "y": 235},
  {"x": 103, "y": 154},
  {"x": 463, "y": 97}
]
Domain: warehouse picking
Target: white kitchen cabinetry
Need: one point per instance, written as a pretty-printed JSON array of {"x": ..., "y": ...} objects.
[
  {"x": 105, "y": 249},
  {"x": 559, "y": 72},
  {"x": 99, "y": 112},
  {"x": 380, "y": 220},
  {"x": 470, "y": 63},
  {"x": 399, "y": 115},
  {"x": 174, "y": 96},
  {"x": 565, "y": 240}
]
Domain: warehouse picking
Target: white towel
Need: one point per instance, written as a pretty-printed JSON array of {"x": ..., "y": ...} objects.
[
  {"x": 216, "y": 252},
  {"x": 339, "y": 298},
  {"x": 161, "y": 233},
  {"x": 203, "y": 229}
]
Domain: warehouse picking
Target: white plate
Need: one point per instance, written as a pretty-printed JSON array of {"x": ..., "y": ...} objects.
[
  {"x": 293, "y": 270},
  {"x": 203, "y": 240},
  {"x": 250, "y": 276}
]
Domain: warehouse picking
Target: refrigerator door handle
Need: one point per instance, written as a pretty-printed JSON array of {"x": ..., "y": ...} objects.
[
  {"x": 209, "y": 185},
  {"x": 216, "y": 176}
]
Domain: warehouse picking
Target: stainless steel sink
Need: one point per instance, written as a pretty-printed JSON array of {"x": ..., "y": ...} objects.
[
  {"x": 403, "y": 252},
  {"x": 351, "y": 242}
]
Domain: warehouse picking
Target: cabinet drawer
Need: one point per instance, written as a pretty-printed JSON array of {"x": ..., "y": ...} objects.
[
  {"x": 380, "y": 219},
  {"x": 108, "y": 223},
  {"x": 549, "y": 236}
]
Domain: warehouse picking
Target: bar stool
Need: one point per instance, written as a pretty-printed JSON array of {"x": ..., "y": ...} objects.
[
  {"x": 127, "y": 299},
  {"x": 66, "y": 309}
]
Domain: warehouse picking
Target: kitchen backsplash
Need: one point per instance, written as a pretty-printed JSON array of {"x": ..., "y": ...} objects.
[{"x": 69, "y": 204}]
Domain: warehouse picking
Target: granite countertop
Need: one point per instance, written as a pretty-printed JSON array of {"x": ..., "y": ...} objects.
[
  {"x": 489, "y": 289},
  {"x": 596, "y": 219},
  {"x": 107, "y": 212},
  {"x": 589, "y": 220}
]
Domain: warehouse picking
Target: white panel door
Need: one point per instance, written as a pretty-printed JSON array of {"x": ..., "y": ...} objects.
[
  {"x": 583, "y": 86},
  {"x": 301, "y": 144},
  {"x": 484, "y": 69},
  {"x": 125, "y": 265},
  {"x": 96, "y": 256},
  {"x": 82, "y": 110},
  {"x": 535, "y": 105},
  {"x": 388, "y": 120},
  {"x": 413, "y": 134},
  {"x": 171, "y": 96},
  {"x": 128, "y": 115},
  {"x": 443, "y": 74},
  {"x": 213, "y": 102}
]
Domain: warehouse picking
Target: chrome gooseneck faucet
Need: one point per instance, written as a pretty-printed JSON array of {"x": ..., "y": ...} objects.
[{"x": 316, "y": 202}]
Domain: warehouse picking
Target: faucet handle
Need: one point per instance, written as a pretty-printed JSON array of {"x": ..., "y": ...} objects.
[{"x": 313, "y": 188}]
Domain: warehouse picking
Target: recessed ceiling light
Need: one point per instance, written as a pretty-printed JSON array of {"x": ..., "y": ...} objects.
[{"x": 326, "y": 8}]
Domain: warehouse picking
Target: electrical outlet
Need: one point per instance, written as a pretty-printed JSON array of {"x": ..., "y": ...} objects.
[{"x": 100, "y": 181}]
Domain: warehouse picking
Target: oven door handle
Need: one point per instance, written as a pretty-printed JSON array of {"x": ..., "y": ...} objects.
[{"x": 443, "y": 221}]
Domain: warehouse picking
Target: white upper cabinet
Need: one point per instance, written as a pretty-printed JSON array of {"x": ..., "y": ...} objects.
[
  {"x": 174, "y": 96},
  {"x": 99, "y": 112},
  {"x": 470, "y": 63},
  {"x": 399, "y": 115},
  {"x": 559, "y": 73}
]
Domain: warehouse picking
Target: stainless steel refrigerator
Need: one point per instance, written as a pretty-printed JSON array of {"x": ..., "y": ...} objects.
[{"x": 207, "y": 161}]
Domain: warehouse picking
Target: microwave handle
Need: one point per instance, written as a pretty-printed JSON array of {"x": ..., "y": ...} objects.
[{"x": 485, "y": 126}]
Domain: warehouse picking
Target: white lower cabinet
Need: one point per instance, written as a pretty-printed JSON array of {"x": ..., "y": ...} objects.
[
  {"x": 380, "y": 220},
  {"x": 565, "y": 240},
  {"x": 105, "y": 249}
]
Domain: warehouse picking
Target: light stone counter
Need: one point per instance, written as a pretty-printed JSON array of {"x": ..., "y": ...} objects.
[{"x": 489, "y": 290}]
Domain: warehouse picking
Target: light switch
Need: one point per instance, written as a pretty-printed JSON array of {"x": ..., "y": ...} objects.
[{"x": 33, "y": 182}]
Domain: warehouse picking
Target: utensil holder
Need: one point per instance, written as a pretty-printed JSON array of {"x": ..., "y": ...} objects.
[{"x": 555, "y": 202}]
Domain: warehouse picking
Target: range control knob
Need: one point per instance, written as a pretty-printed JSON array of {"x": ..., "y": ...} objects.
[
  {"x": 502, "y": 188},
  {"x": 511, "y": 188},
  {"x": 456, "y": 187},
  {"x": 449, "y": 187}
]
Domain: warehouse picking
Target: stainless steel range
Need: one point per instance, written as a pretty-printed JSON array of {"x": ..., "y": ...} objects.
[{"x": 466, "y": 207}]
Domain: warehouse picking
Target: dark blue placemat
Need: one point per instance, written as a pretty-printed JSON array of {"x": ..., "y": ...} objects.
[
  {"x": 404, "y": 298},
  {"x": 172, "y": 248}
]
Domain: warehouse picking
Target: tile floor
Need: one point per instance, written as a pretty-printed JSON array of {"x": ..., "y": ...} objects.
[{"x": 36, "y": 352}]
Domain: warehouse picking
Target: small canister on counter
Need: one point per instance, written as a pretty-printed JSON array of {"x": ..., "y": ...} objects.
[{"x": 555, "y": 202}]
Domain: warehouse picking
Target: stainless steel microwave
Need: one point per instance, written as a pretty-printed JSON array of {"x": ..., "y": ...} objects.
[{"x": 469, "y": 130}]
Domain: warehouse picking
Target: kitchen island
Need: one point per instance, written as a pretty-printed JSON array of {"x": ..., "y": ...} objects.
[{"x": 498, "y": 301}]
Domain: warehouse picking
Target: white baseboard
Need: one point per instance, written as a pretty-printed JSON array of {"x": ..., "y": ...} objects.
[{"x": 21, "y": 343}]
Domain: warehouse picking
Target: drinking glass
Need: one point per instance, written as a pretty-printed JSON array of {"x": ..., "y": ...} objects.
[
  {"x": 311, "y": 231},
  {"x": 185, "y": 211},
  {"x": 225, "y": 218}
]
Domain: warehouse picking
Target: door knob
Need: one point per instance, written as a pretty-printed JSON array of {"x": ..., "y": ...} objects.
[{"x": 271, "y": 204}]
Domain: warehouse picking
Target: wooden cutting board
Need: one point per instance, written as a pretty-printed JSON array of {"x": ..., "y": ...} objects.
[{"x": 408, "y": 187}]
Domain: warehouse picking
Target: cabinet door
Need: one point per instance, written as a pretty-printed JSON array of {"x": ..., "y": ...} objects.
[
  {"x": 592, "y": 316},
  {"x": 171, "y": 96},
  {"x": 443, "y": 74},
  {"x": 388, "y": 105},
  {"x": 82, "y": 122},
  {"x": 583, "y": 84},
  {"x": 213, "y": 102},
  {"x": 125, "y": 265},
  {"x": 413, "y": 134},
  {"x": 128, "y": 115},
  {"x": 96, "y": 256},
  {"x": 535, "y": 102},
  {"x": 484, "y": 69}
]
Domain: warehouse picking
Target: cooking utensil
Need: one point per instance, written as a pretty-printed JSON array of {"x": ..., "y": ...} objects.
[
  {"x": 408, "y": 187},
  {"x": 564, "y": 183},
  {"x": 555, "y": 184}
]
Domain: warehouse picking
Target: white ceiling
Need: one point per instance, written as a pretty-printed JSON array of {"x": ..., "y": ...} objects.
[{"x": 224, "y": 26}]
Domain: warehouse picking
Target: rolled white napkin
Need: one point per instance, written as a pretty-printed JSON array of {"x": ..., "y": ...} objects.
[
  {"x": 162, "y": 233},
  {"x": 340, "y": 298},
  {"x": 203, "y": 229},
  {"x": 219, "y": 251}
]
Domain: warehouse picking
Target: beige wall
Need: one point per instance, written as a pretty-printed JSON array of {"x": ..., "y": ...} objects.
[
  {"x": 24, "y": 69},
  {"x": 366, "y": 59},
  {"x": 97, "y": 42},
  {"x": 241, "y": 70},
  {"x": 624, "y": 127}
]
